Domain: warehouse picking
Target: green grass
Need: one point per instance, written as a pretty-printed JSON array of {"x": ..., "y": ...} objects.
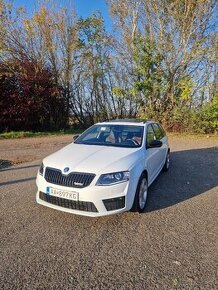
[
  {"x": 24, "y": 134},
  {"x": 191, "y": 135}
]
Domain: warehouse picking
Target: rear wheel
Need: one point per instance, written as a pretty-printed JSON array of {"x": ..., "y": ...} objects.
[
  {"x": 141, "y": 194},
  {"x": 167, "y": 162}
]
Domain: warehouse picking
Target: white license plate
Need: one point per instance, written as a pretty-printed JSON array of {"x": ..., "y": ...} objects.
[{"x": 72, "y": 195}]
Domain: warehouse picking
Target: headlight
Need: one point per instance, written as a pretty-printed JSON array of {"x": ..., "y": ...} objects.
[
  {"x": 113, "y": 178},
  {"x": 41, "y": 169}
]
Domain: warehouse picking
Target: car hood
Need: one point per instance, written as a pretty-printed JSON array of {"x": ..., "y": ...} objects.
[{"x": 93, "y": 159}]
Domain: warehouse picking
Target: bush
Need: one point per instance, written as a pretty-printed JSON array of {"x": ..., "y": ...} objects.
[
  {"x": 178, "y": 120},
  {"x": 206, "y": 120}
]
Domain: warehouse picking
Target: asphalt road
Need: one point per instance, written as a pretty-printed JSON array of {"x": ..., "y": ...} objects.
[{"x": 173, "y": 245}]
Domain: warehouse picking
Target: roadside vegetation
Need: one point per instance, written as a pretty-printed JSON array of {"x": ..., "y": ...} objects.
[
  {"x": 23, "y": 134},
  {"x": 58, "y": 70}
]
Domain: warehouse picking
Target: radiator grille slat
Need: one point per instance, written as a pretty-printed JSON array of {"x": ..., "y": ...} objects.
[
  {"x": 73, "y": 179},
  {"x": 67, "y": 203}
]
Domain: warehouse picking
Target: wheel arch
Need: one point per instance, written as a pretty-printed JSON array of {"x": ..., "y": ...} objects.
[
  {"x": 135, "y": 206},
  {"x": 145, "y": 172}
]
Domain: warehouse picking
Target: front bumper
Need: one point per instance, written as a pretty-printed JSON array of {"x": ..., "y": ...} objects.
[{"x": 93, "y": 200}]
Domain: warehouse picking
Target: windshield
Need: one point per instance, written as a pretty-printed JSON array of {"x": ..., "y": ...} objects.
[{"x": 113, "y": 135}]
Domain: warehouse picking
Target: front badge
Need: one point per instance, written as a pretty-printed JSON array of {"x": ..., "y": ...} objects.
[{"x": 66, "y": 169}]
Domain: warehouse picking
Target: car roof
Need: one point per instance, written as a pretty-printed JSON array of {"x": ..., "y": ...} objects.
[{"x": 135, "y": 122}]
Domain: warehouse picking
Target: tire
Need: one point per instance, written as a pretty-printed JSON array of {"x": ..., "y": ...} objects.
[
  {"x": 167, "y": 162},
  {"x": 141, "y": 194}
]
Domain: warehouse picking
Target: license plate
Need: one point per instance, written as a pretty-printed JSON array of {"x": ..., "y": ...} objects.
[{"x": 72, "y": 195}]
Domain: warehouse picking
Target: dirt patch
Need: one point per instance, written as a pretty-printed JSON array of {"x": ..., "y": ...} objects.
[
  {"x": 24, "y": 159},
  {"x": 24, "y": 150}
]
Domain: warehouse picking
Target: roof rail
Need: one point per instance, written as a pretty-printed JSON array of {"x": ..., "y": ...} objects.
[{"x": 128, "y": 120}]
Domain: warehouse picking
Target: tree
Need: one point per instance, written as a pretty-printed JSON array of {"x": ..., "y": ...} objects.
[
  {"x": 29, "y": 98},
  {"x": 180, "y": 32}
]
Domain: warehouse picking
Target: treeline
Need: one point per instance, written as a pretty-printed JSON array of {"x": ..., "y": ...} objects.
[{"x": 160, "y": 62}]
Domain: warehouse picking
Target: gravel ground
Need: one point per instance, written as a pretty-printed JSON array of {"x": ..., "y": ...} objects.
[{"x": 173, "y": 245}]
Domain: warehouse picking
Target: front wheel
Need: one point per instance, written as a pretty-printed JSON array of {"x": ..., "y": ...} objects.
[{"x": 141, "y": 194}]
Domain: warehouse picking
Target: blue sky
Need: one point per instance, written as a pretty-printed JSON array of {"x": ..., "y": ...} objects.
[{"x": 84, "y": 8}]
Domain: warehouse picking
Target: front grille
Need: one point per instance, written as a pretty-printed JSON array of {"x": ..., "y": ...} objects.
[
  {"x": 67, "y": 203},
  {"x": 73, "y": 179},
  {"x": 114, "y": 203}
]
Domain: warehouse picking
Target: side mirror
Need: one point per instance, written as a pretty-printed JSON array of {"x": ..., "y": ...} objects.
[
  {"x": 75, "y": 137},
  {"x": 155, "y": 144}
]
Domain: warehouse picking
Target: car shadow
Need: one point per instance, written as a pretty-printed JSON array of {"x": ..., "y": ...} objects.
[
  {"x": 192, "y": 172},
  {"x": 17, "y": 181},
  {"x": 18, "y": 168}
]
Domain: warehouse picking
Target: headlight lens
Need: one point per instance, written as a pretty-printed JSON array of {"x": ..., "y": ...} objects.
[
  {"x": 41, "y": 169},
  {"x": 113, "y": 178}
]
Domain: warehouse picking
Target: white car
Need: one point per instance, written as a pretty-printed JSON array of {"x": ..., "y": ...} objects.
[{"x": 106, "y": 170}]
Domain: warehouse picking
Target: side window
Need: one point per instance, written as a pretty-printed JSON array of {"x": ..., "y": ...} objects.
[
  {"x": 163, "y": 132},
  {"x": 158, "y": 132},
  {"x": 150, "y": 136}
]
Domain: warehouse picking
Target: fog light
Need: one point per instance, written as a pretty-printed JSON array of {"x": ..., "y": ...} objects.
[{"x": 114, "y": 203}]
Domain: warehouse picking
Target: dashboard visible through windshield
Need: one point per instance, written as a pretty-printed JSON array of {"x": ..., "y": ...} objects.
[{"x": 113, "y": 135}]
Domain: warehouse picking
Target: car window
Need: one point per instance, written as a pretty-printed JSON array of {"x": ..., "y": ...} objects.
[
  {"x": 112, "y": 135},
  {"x": 163, "y": 132},
  {"x": 150, "y": 136},
  {"x": 158, "y": 132},
  {"x": 92, "y": 133}
]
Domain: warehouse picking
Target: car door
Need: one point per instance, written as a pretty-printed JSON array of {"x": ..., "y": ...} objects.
[
  {"x": 152, "y": 155},
  {"x": 159, "y": 134}
]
